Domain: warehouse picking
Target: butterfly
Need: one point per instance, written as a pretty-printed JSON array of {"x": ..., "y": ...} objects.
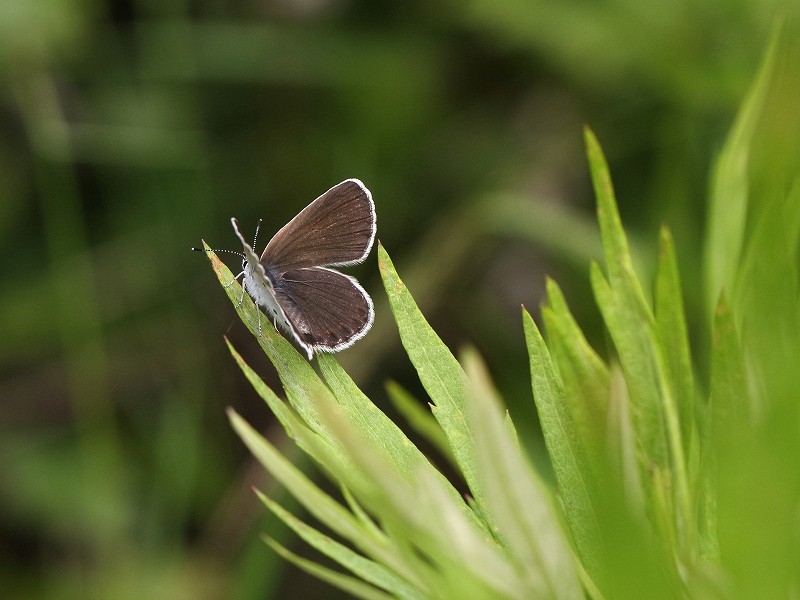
[{"x": 292, "y": 282}]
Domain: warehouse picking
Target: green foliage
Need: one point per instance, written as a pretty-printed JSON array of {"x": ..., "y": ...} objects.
[
  {"x": 661, "y": 491},
  {"x": 132, "y": 127}
]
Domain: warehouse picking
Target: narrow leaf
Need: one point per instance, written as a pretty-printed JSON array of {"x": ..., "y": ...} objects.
[
  {"x": 424, "y": 516},
  {"x": 569, "y": 459},
  {"x": 295, "y": 428},
  {"x": 365, "y": 520},
  {"x": 728, "y": 199},
  {"x": 632, "y": 327},
  {"x": 729, "y": 398},
  {"x": 317, "y": 502},
  {"x": 583, "y": 373},
  {"x": 636, "y": 356},
  {"x": 674, "y": 337},
  {"x": 368, "y": 419},
  {"x": 615, "y": 243},
  {"x": 366, "y": 569},
  {"x": 656, "y": 427},
  {"x": 420, "y": 418},
  {"x": 438, "y": 370},
  {"x": 517, "y": 498},
  {"x": 677, "y": 383},
  {"x": 348, "y": 584},
  {"x": 512, "y": 430},
  {"x": 386, "y": 438},
  {"x": 708, "y": 540},
  {"x": 327, "y": 451}
]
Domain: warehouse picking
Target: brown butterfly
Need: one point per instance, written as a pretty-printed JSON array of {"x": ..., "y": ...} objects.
[{"x": 323, "y": 309}]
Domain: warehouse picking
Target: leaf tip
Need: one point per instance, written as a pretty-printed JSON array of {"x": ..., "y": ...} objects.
[
  {"x": 261, "y": 496},
  {"x": 589, "y": 138},
  {"x": 384, "y": 262},
  {"x": 722, "y": 305},
  {"x": 551, "y": 287},
  {"x": 664, "y": 239}
]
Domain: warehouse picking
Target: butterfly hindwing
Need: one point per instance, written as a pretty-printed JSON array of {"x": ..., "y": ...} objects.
[{"x": 328, "y": 311}]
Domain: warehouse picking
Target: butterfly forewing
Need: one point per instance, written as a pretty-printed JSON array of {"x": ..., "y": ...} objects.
[
  {"x": 328, "y": 311},
  {"x": 335, "y": 229}
]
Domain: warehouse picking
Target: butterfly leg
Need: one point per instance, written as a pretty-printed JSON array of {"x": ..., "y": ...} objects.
[
  {"x": 241, "y": 299},
  {"x": 258, "y": 312},
  {"x": 227, "y": 285},
  {"x": 244, "y": 286}
]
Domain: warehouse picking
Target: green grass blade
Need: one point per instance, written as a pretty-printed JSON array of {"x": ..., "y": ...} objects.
[
  {"x": 631, "y": 324},
  {"x": 365, "y": 520},
  {"x": 624, "y": 476},
  {"x": 730, "y": 402},
  {"x": 708, "y": 540},
  {"x": 326, "y": 450},
  {"x": 512, "y": 430},
  {"x": 728, "y": 200},
  {"x": 677, "y": 382},
  {"x": 615, "y": 243},
  {"x": 583, "y": 373},
  {"x": 568, "y": 456},
  {"x": 655, "y": 419},
  {"x": 371, "y": 423},
  {"x": 346, "y": 583},
  {"x": 295, "y": 428},
  {"x": 424, "y": 516},
  {"x": 317, "y": 502},
  {"x": 656, "y": 428},
  {"x": 633, "y": 329},
  {"x": 519, "y": 501},
  {"x": 375, "y": 427},
  {"x": 366, "y": 569},
  {"x": 674, "y": 337},
  {"x": 420, "y": 418},
  {"x": 288, "y": 418},
  {"x": 438, "y": 370}
]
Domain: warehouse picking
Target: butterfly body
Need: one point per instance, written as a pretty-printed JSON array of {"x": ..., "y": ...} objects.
[
  {"x": 259, "y": 284},
  {"x": 323, "y": 310}
]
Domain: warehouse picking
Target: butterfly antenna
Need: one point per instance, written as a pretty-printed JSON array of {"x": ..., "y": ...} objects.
[
  {"x": 239, "y": 254},
  {"x": 243, "y": 257},
  {"x": 255, "y": 237}
]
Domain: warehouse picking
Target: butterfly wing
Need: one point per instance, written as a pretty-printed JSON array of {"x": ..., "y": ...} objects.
[
  {"x": 327, "y": 310},
  {"x": 337, "y": 228}
]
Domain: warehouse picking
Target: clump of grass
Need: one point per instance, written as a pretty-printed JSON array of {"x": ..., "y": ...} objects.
[{"x": 666, "y": 487}]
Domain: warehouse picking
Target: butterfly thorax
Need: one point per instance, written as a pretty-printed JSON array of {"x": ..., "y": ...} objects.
[{"x": 259, "y": 284}]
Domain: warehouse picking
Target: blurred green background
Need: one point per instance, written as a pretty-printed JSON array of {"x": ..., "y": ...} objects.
[{"x": 131, "y": 129}]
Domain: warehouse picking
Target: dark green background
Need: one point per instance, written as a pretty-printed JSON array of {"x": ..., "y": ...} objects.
[{"x": 130, "y": 130}]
